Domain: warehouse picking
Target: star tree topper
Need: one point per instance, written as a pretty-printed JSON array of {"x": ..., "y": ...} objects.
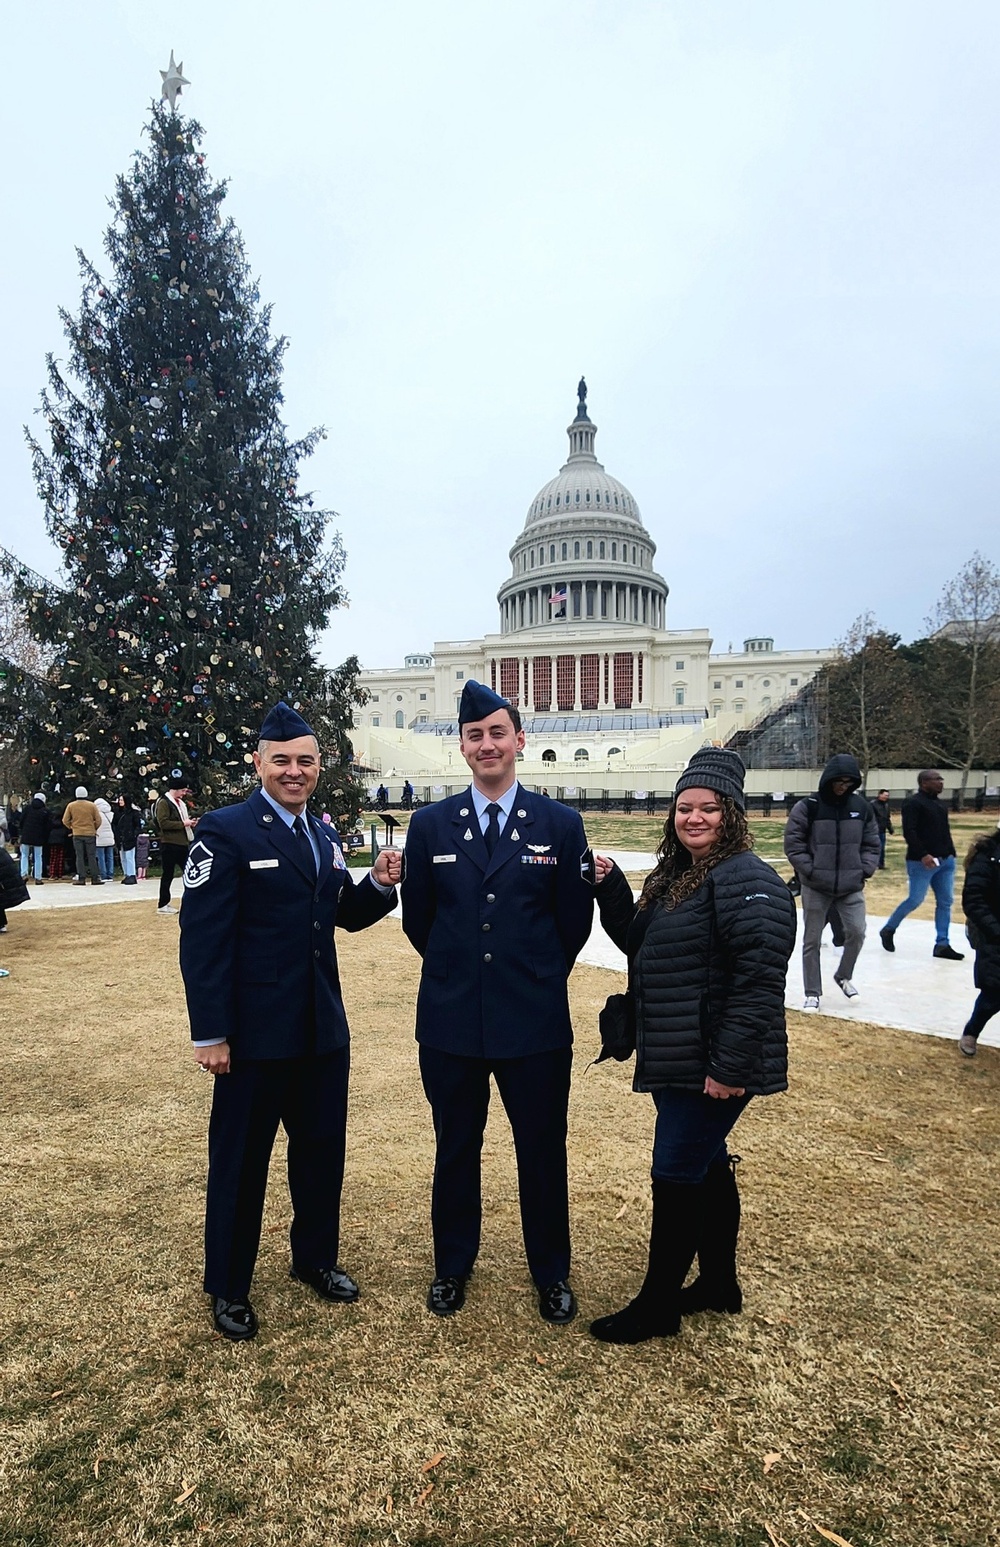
[{"x": 173, "y": 80}]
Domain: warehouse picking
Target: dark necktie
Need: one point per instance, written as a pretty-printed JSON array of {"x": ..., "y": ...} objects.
[
  {"x": 301, "y": 833},
  {"x": 492, "y": 834}
]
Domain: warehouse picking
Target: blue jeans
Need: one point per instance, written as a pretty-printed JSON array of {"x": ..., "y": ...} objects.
[
  {"x": 127, "y": 857},
  {"x": 106, "y": 862},
  {"x": 691, "y": 1132},
  {"x": 942, "y": 878},
  {"x": 27, "y": 850}
]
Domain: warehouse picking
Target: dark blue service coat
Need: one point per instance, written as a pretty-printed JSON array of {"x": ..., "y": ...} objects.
[
  {"x": 498, "y": 935},
  {"x": 257, "y": 949}
]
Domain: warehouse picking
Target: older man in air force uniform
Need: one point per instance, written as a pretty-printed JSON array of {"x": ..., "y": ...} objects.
[{"x": 264, "y": 886}]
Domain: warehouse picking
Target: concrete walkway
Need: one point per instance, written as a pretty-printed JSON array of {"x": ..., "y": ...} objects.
[
  {"x": 65, "y": 894},
  {"x": 910, "y": 989}
]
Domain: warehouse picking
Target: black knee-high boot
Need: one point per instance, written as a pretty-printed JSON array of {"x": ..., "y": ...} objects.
[
  {"x": 717, "y": 1288},
  {"x": 656, "y": 1310}
]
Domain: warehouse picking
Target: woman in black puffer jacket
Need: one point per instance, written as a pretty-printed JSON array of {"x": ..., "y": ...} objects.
[
  {"x": 708, "y": 948},
  {"x": 981, "y": 902}
]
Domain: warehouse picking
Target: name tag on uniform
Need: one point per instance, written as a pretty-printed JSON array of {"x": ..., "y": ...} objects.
[
  {"x": 539, "y": 859},
  {"x": 264, "y": 864},
  {"x": 444, "y": 859}
]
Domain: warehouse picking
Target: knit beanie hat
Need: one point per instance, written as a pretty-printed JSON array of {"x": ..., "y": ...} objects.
[
  {"x": 81, "y": 792},
  {"x": 715, "y": 768}
]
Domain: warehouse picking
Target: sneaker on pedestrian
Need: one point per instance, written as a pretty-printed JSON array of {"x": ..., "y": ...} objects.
[
  {"x": 944, "y": 952},
  {"x": 166, "y": 910},
  {"x": 846, "y": 988},
  {"x": 887, "y": 938},
  {"x": 812, "y": 1002},
  {"x": 967, "y": 1045}
]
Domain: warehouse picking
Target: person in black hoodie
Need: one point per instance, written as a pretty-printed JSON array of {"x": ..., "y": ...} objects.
[
  {"x": 832, "y": 841},
  {"x": 930, "y": 862},
  {"x": 981, "y": 902}
]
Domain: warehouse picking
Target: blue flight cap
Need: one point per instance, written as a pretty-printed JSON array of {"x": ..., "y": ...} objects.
[
  {"x": 477, "y": 702},
  {"x": 283, "y": 723}
]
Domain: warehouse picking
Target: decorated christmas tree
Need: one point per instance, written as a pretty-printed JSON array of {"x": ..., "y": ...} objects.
[{"x": 197, "y": 572}]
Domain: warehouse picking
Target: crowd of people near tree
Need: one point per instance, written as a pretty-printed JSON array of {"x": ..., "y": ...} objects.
[{"x": 82, "y": 838}]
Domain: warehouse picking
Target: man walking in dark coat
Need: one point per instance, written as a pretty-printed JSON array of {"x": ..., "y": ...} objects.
[
  {"x": 831, "y": 839},
  {"x": 35, "y": 824},
  {"x": 883, "y": 816},
  {"x": 930, "y": 862},
  {"x": 496, "y": 901},
  {"x": 264, "y": 885}
]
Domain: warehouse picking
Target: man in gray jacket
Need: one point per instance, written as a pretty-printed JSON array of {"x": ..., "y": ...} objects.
[{"x": 832, "y": 840}]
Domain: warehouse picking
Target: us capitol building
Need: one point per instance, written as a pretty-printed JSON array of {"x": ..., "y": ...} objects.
[{"x": 610, "y": 697}]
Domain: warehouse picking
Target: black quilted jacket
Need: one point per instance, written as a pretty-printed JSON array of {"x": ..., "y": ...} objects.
[
  {"x": 708, "y": 978},
  {"x": 981, "y": 902}
]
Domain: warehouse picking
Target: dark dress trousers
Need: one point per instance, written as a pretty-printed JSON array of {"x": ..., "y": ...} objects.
[
  {"x": 498, "y": 935},
  {"x": 260, "y": 970}
]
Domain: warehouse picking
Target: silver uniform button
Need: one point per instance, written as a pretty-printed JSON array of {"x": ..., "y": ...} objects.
[
  {"x": 486, "y": 929},
  {"x": 268, "y": 818},
  {"x": 491, "y": 897},
  {"x": 487, "y": 957},
  {"x": 316, "y": 954}
]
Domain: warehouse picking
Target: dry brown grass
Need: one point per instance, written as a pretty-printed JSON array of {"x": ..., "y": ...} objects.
[{"x": 866, "y": 1360}]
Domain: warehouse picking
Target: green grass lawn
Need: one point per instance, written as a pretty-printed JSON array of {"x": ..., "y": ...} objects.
[{"x": 853, "y": 1401}]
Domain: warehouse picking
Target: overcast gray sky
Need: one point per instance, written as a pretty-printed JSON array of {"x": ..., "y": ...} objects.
[{"x": 767, "y": 233}]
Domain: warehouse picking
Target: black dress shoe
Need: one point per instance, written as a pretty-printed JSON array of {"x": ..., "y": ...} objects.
[
  {"x": 235, "y": 1319},
  {"x": 945, "y": 953},
  {"x": 557, "y": 1303},
  {"x": 887, "y": 937},
  {"x": 329, "y": 1283},
  {"x": 446, "y": 1296}
]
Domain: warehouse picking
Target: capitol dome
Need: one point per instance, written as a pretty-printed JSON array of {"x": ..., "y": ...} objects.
[{"x": 584, "y": 554}]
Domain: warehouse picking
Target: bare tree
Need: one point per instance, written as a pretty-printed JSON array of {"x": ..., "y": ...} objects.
[
  {"x": 967, "y": 619},
  {"x": 871, "y": 701},
  {"x": 17, "y": 645}
]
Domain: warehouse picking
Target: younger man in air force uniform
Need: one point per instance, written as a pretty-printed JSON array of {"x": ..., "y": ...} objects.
[
  {"x": 264, "y": 885},
  {"x": 496, "y": 903}
]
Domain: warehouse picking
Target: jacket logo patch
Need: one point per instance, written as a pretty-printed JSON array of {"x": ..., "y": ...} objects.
[
  {"x": 443, "y": 859},
  {"x": 197, "y": 871},
  {"x": 757, "y": 897},
  {"x": 539, "y": 859},
  {"x": 264, "y": 864}
]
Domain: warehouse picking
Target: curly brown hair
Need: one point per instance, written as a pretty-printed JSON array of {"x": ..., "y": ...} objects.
[
  {"x": 677, "y": 875},
  {"x": 980, "y": 841}
]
